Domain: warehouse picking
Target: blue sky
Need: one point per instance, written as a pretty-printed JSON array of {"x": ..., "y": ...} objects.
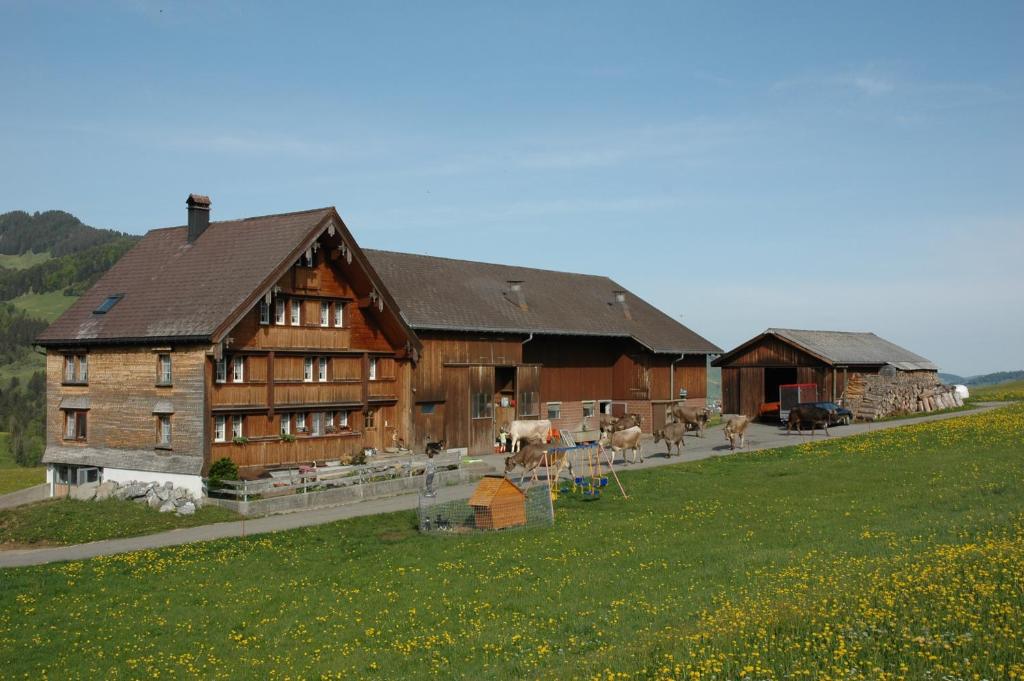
[{"x": 810, "y": 165}]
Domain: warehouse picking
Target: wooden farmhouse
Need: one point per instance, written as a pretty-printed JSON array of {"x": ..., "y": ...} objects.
[
  {"x": 753, "y": 372},
  {"x": 498, "y": 503},
  {"x": 277, "y": 341}
]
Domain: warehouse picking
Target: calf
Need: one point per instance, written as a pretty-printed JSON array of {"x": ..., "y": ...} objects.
[
  {"x": 531, "y": 457},
  {"x": 808, "y": 414},
  {"x": 695, "y": 417},
  {"x": 672, "y": 433},
  {"x": 611, "y": 424},
  {"x": 736, "y": 429},
  {"x": 621, "y": 440},
  {"x": 528, "y": 431}
]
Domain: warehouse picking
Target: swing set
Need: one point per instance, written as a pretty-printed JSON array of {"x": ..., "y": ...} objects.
[{"x": 589, "y": 465}]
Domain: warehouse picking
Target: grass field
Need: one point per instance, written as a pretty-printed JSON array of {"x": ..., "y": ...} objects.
[
  {"x": 1010, "y": 391},
  {"x": 45, "y": 306},
  {"x": 76, "y": 522},
  {"x": 12, "y": 476},
  {"x": 23, "y": 261},
  {"x": 894, "y": 555}
]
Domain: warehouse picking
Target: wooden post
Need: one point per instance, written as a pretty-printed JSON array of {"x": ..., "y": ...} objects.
[
  {"x": 270, "y": 383},
  {"x": 611, "y": 468}
]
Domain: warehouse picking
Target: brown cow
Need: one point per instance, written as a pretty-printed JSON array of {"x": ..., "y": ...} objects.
[
  {"x": 621, "y": 440},
  {"x": 531, "y": 456},
  {"x": 672, "y": 433},
  {"x": 736, "y": 429},
  {"x": 611, "y": 424},
  {"x": 808, "y": 414},
  {"x": 695, "y": 417}
]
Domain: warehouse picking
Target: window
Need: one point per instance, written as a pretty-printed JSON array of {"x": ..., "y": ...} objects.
[
  {"x": 221, "y": 370},
  {"x": 264, "y": 312},
  {"x": 529, "y": 403},
  {"x": 238, "y": 369},
  {"x": 76, "y": 369},
  {"x": 296, "y": 312},
  {"x": 328, "y": 421},
  {"x": 373, "y": 369},
  {"x": 163, "y": 376},
  {"x": 342, "y": 419},
  {"x": 279, "y": 311},
  {"x": 107, "y": 304},
  {"x": 318, "y": 423},
  {"x": 220, "y": 429},
  {"x": 286, "y": 424},
  {"x": 75, "y": 425},
  {"x": 325, "y": 314},
  {"x": 164, "y": 430},
  {"x": 85, "y": 475},
  {"x": 339, "y": 315},
  {"x": 307, "y": 370},
  {"x": 300, "y": 422},
  {"x": 480, "y": 406},
  {"x": 427, "y": 408},
  {"x": 322, "y": 370},
  {"x": 588, "y": 409},
  {"x": 236, "y": 426},
  {"x": 554, "y": 410},
  {"x": 371, "y": 418}
]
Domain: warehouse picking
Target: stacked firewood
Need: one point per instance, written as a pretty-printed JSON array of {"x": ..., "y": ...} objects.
[{"x": 875, "y": 396}]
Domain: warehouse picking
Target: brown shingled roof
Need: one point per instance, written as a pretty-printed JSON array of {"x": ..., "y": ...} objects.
[
  {"x": 176, "y": 290},
  {"x": 461, "y": 295}
]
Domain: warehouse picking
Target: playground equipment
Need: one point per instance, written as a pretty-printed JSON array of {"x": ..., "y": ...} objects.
[{"x": 590, "y": 467}]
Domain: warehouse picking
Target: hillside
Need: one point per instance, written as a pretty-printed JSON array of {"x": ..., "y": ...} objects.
[
  {"x": 46, "y": 261},
  {"x": 983, "y": 379}
]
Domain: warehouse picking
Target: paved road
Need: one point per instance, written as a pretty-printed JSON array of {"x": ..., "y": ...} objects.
[{"x": 760, "y": 436}]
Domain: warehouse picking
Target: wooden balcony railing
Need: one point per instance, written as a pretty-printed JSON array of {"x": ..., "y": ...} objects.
[
  {"x": 239, "y": 394},
  {"x": 275, "y": 452},
  {"x": 286, "y": 394},
  {"x": 384, "y": 388},
  {"x": 314, "y": 337}
]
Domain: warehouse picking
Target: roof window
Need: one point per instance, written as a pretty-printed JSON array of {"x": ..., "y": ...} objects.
[{"x": 107, "y": 304}]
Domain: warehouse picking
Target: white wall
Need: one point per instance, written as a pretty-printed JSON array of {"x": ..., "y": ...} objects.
[{"x": 193, "y": 483}]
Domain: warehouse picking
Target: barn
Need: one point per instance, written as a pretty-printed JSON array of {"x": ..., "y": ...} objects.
[{"x": 832, "y": 360}]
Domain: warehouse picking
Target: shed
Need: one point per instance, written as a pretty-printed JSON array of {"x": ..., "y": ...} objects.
[
  {"x": 753, "y": 371},
  {"x": 498, "y": 503}
]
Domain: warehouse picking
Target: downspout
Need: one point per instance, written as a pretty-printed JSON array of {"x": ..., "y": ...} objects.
[{"x": 672, "y": 377}]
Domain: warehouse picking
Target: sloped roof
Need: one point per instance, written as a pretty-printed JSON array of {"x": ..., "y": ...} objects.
[
  {"x": 460, "y": 295},
  {"x": 174, "y": 289},
  {"x": 489, "y": 487},
  {"x": 845, "y": 347}
]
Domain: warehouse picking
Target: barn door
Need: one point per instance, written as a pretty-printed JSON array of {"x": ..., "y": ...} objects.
[
  {"x": 528, "y": 392},
  {"x": 481, "y": 409}
]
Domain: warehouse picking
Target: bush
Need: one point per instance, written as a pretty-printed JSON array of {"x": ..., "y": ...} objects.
[{"x": 220, "y": 470}]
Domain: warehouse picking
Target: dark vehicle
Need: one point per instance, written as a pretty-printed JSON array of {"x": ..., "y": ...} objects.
[{"x": 838, "y": 416}]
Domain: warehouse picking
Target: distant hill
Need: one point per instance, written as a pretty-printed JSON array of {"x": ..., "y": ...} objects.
[
  {"x": 983, "y": 379},
  {"x": 47, "y": 260},
  {"x": 951, "y": 379}
]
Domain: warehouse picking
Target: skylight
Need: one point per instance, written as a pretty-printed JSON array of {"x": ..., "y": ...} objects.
[{"x": 110, "y": 302}]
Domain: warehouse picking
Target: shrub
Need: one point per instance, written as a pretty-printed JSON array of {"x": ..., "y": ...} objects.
[{"x": 220, "y": 470}]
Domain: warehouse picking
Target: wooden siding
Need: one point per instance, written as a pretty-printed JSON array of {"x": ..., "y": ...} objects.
[
  {"x": 574, "y": 368},
  {"x": 442, "y": 349},
  {"x": 771, "y": 351},
  {"x": 276, "y": 452}
]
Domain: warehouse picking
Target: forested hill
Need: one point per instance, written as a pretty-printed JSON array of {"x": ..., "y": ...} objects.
[{"x": 47, "y": 260}]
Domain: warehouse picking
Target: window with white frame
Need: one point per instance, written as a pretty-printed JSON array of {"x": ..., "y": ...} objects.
[
  {"x": 286, "y": 424},
  {"x": 307, "y": 369},
  {"x": 339, "y": 314},
  {"x": 220, "y": 428},
  {"x": 322, "y": 370},
  {"x": 328, "y": 421},
  {"x": 75, "y": 425},
  {"x": 325, "y": 313},
  {"x": 236, "y": 426},
  {"x": 300, "y": 422},
  {"x": 221, "y": 370},
  {"x": 296, "y": 312},
  {"x": 264, "y": 312},
  {"x": 342, "y": 420},
  {"x": 164, "y": 430},
  {"x": 279, "y": 311},
  {"x": 238, "y": 369},
  {"x": 373, "y": 369},
  {"x": 554, "y": 410},
  {"x": 164, "y": 370},
  {"x": 76, "y": 369},
  {"x": 588, "y": 409},
  {"x": 318, "y": 423},
  {"x": 69, "y": 368}
]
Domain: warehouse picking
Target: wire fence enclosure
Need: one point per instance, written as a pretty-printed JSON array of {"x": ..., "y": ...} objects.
[{"x": 532, "y": 508}]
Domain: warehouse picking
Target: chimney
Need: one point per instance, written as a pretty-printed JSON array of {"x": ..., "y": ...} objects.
[
  {"x": 515, "y": 294},
  {"x": 620, "y": 298},
  {"x": 198, "y": 215}
]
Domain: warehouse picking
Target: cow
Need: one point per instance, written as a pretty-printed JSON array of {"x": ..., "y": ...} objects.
[
  {"x": 736, "y": 429},
  {"x": 531, "y": 457},
  {"x": 695, "y": 417},
  {"x": 808, "y": 414},
  {"x": 611, "y": 424},
  {"x": 529, "y": 431},
  {"x": 672, "y": 433},
  {"x": 621, "y": 440}
]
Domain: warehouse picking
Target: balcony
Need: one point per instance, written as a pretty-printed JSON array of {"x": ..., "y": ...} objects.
[
  {"x": 338, "y": 392},
  {"x": 299, "y": 337},
  {"x": 383, "y": 389},
  {"x": 277, "y": 452},
  {"x": 239, "y": 395}
]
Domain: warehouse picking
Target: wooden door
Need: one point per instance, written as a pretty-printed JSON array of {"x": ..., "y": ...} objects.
[
  {"x": 481, "y": 409},
  {"x": 528, "y": 392}
]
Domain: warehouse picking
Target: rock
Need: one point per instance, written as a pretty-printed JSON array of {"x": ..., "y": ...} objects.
[
  {"x": 179, "y": 493},
  {"x": 83, "y": 492},
  {"x": 167, "y": 507},
  {"x": 106, "y": 490},
  {"x": 154, "y": 501},
  {"x": 163, "y": 493},
  {"x": 188, "y": 508}
]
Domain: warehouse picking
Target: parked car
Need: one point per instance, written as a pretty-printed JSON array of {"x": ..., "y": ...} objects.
[{"x": 838, "y": 416}]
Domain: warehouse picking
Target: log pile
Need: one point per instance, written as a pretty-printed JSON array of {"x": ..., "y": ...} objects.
[{"x": 875, "y": 396}]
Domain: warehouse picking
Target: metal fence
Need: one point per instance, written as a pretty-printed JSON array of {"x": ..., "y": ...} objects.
[{"x": 459, "y": 517}]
